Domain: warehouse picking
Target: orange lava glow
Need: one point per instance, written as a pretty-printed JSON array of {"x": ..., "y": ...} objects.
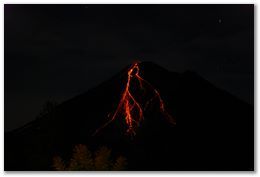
[{"x": 130, "y": 108}]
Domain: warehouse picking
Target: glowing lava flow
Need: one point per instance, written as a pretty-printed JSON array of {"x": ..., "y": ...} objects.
[{"x": 133, "y": 110}]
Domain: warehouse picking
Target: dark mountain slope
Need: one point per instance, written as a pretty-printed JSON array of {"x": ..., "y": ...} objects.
[{"x": 214, "y": 130}]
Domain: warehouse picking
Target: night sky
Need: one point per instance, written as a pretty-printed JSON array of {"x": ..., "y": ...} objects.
[{"x": 55, "y": 52}]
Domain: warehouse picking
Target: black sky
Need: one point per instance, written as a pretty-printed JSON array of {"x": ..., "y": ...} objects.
[{"x": 58, "y": 51}]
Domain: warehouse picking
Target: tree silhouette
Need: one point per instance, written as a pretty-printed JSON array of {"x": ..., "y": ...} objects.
[
  {"x": 47, "y": 108},
  {"x": 83, "y": 160}
]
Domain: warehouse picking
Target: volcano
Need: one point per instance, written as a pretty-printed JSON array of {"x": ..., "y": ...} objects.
[{"x": 180, "y": 121}]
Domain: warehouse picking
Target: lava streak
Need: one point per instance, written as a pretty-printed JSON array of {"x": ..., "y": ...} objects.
[{"x": 133, "y": 110}]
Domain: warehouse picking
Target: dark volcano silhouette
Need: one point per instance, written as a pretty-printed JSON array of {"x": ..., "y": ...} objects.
[{"x": 214, "y": 130}]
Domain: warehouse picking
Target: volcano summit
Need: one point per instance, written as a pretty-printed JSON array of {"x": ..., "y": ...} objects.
[{"x": 132, "y": 109}]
